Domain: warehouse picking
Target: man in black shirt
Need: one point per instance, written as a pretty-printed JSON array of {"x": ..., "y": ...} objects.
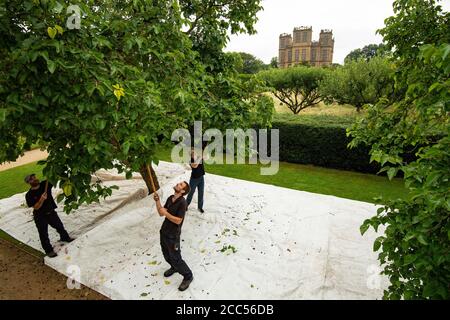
[
  {"x": 40, "y": 198},
  {"x": 197, "y": 180},
  {"x": 174, "y": 211}
]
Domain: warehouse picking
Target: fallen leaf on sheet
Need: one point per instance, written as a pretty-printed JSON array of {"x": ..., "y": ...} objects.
[
  {"x": 167, "y": 282},
  {"x": 152, "y": 263},
  {"x": 144, "y": 294}
]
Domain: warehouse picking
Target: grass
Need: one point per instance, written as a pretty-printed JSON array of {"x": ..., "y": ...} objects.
[
  {"x": 319, "y": 109},
  {"x": 339, "y": 183},
  {"x": 11, "y": 180},
  {"x": 313, "y": 119}
]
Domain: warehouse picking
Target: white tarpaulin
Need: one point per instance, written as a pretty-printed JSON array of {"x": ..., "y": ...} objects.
[{"x": 254, "y": 241}]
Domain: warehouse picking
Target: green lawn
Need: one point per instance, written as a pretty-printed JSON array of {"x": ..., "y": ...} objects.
[
  {"x": 345, "y": 184},
  {"x": 11, "y": 180}
]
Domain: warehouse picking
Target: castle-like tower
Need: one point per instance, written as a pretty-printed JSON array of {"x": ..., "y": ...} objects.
[{"x": 301, "y": 48}]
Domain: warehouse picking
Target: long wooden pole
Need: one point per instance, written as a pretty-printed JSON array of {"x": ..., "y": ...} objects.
[{"x": 151, "y": 178}]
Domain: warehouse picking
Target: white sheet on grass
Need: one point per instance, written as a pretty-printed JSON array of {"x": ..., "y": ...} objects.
[{"x": 289, "y": 244}]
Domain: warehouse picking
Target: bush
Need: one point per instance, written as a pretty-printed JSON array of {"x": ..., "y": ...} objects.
[{"x": 321, "y": 141}]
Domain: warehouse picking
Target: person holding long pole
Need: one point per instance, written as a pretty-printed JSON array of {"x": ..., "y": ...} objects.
[
  {"x": 174, "y": 211},
  {"x": 197, "y": 180},
  {"x": 40, "y": 198}
]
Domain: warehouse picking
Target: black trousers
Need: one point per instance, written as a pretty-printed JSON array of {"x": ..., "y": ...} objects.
[
  {"x": 170, "y": 246},
  {"x": 42, "y": 222}
]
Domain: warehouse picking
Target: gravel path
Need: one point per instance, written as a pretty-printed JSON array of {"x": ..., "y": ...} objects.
[{"x": 28, "y": 157}]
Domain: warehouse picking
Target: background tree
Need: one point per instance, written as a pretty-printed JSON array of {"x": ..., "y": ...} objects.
[
  {"x": 297, "y": 87},
  {"x": 359, "y": 82},
  {"x": 414, "y": 249},
  {"x": 273, "y": 62},
  {"x": 250, "y": 64},
  {"x": 106, "y": 94},
  {"x": 367, "y": 52}
]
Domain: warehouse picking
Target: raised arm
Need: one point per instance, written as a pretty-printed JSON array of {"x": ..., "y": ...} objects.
[
  {"x": 164, "y": 212},
  {"x": 40, "y": 202}
]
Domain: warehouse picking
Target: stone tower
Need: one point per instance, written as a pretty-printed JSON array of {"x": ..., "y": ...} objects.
[{"x": 300, "y": 48}]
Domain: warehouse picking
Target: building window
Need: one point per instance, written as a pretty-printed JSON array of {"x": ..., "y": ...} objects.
[
  {"x": 289, "y": 56},
  {"x": 282, "y": 58},
  {"x": 304, "y": 36},
  {"x": 297, "y": 54},
  {"x": 324, "y": 55},
  {"x": 297, "y": 37},
  {"x": 313, "y": 54},
  {"x": 303, "y": 54}
]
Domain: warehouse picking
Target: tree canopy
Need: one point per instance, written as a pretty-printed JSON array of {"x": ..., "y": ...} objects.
[
  {"x": 297, "y": 87},
  {"x": 414, "y": 249},
  {"x": 250, "y": 64},
  {"x": 104, "y": 95},
  {"x": 359, "y": 82},
  {"x": 367, "y": 52}
]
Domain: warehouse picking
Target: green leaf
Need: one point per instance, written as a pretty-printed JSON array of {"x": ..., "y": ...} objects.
[
  {"x": 126, "y": 147},
  {"x": 60, "y": 197},
  {"x": 59, "y": 29},
  {"x": 409, "y": 259},
  {"x": 101, "y": 124},
  {"x": 67, "y": 188},
  {"x": 391, "y": 173},
  {"x": 51, "y": 32},
  {"x": 377, "y": 244},
  {"x": 51, "y": 65},
  {"x": 422, "y": 240},
  {"x": 142, "y": 139}
]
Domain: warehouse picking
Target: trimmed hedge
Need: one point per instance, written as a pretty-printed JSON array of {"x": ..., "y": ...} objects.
[{"x": 321, "y": 141}]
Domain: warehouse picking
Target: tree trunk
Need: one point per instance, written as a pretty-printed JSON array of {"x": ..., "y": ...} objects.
[{"x": 145, "y": 176}]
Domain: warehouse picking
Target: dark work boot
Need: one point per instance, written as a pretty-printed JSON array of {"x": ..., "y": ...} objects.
[
  {"x": 67, "y": 240},
  {"x": 52, "y": 254},
  {"x": 169, "y": 272},
  {"x": 185, "y": 284}
]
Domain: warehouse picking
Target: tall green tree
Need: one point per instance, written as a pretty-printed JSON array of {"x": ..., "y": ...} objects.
[
  {"x": 414, "y": 249},
  {"x": 250, "y": 64},
  {"x": 273, "y": 62},
  {"x": 359, "y": 82},
  {"x": 367, "y": 52},
  {"x": 297, "y": 87},
  {"x": 106, "y": 93}
]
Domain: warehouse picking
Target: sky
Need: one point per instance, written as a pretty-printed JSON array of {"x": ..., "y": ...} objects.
[{"x": 354, "y": 24}]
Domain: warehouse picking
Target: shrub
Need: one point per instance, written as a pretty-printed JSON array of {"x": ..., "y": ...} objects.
[{"x": 321, "y": 141}]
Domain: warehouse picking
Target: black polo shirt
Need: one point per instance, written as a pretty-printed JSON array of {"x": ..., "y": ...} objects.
[
  {"x": 199, "y": 171},
  {"x": 178, "y": 209},
  {"x": 33, "y": 196}
]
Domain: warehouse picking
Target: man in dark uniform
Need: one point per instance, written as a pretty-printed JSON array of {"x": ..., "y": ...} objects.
[
  {"x": 174, "y": 211},
  {"x": 197, "y": 180},
  {"x": 44, "y": 212}
]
